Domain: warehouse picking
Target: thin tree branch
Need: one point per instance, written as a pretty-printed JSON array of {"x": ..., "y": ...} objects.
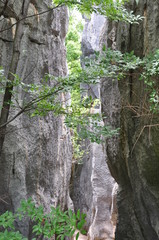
[
  {"x": 2, "y": 200},
  {"x": 29, "y": 107},
  {"x": 146, "y": 126}
]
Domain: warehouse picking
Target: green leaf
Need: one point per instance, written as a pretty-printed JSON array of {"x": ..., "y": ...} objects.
[
  {"x": 77, "y": 236},
  {"x": 78, "y": 214},
  {"x": 83, "y": 231}
]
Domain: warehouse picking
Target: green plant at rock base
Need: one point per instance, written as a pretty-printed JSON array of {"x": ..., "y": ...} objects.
[
  {"x": 56, "y": 223},
  {"x": 7, "y": 227}
]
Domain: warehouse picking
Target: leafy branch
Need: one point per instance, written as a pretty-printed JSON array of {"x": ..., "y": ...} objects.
[
  {"x": 112, "y": 64},
  {"x": 114, "y": 10}
]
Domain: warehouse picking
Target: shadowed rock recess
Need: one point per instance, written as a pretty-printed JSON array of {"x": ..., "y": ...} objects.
[
  {"x": 92, "y": 181},
  {"x": 36, "y": 157},
  {"x": 133, "y": 158}
]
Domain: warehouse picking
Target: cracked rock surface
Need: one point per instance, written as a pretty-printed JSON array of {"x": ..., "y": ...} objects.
[
  {"x": 133, "y": 156},
  {"x": 36, "y": 157}
]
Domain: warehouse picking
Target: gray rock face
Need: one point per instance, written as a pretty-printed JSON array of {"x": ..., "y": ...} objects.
[
  {"x": 133, "y": 156},
  {"x": 92, "y": 182},
  {"x": 37, "y": 156},
  {"x": 92, "y": 193},
  {"x": 91, "y": 40}
]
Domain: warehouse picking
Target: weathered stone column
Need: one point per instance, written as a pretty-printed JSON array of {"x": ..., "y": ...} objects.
[
  {"x": 36, "y": 157},
  {"x": 133, "y": 157}
]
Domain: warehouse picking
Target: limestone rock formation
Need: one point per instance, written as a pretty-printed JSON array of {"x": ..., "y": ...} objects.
[
  {"x": 133, "y": 156},
  {"x": 36, "y": 156}
]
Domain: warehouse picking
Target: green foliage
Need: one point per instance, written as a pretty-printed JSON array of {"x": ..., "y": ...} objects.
[
  {"x": 11, "y": 235},
  {"x": 110, "y": 8},
  {"x": 7, "y": 220},
  {"x": 56, "y": 223},
  {"x": 88, "y": 124},
  {"x": 115, "y": 65},
  {"x": 3, "y": 81},
  {"x": 7, "y": 223},
  {"x": 150, "y": 76},
  {"x": 73, "y": 42},
  {"x": 78, "y": 114},
  {"x": 77, "y": 142},
  {"x": 111, "y": 64},
  {"x": 73, "y": 46}
]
